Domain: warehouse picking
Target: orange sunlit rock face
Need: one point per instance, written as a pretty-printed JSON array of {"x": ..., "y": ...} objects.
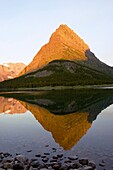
[
  {"x": 11, "y": 106},
  {"x": 66, "y": 130},
  {"x": 63, "y": 44},
  {"x": 10, "y": 70}
]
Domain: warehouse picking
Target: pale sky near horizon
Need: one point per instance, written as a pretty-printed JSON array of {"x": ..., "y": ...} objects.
[{"x": 26, "y": 25}]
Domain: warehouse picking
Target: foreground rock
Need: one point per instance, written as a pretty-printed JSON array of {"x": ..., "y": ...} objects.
[{"x": 44, "y": 162}]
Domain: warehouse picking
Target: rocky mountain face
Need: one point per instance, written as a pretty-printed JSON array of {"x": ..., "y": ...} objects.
[
  {"x": 63, "y": 44},
  {"x": 10, "y": 70}
]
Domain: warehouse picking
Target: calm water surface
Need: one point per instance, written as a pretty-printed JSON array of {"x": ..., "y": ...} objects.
[{"x": 75, "y": 122}]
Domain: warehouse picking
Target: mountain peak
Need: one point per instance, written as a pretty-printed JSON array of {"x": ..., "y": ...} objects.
[
  {"x": 68, "y": 37},
  {"x": 64, "y": 43}
]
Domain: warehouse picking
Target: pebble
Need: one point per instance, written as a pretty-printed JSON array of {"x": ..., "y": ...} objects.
[
  {"x": 92, "y": 164},
  {"x": 38, "y": 155},
  {"x": 21, "y": 159},
  {"x": 8, "y": 165},
  {"x": 43, "y": 156},
  {"x": 29, "y": 151},
  {"x": 73, "y": 157},
  {"x": 56, "y": 166},
  {"x": 45, "y": 159},
  {"x": 60, "y": 156},
  {"x": 20, "y": 162},
  {"x": 102, "y": 164},
  {"x": 46, "y": 153},
  {"x": 83, "y": 161},
  {"x": 34, "y": 164},
  {"x": 88, "y": 168}
]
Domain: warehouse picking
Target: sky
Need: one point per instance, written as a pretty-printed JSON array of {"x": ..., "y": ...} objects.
[{"x": 26, "y": 25}]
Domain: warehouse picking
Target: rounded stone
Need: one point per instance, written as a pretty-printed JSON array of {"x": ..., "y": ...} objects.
[
  {"x": 21, "y": 158},
  {"x": 56, "y": 166},
  {"x": 18, "y": 166},
  {"x": 73, "y": 157},
  {"x": 102, "y": 164},
  {"x": 92, "y": 164},
  {"x": 34, "y": 164},
  {"x": 88, "y": 168},
  {"x": 45, "y": 159},
  {"x": 83, "y": 161},
  {"x": 8, "y": 165}
]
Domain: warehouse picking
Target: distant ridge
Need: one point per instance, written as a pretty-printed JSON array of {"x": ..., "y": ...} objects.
[{"x": 10, "y": 70}]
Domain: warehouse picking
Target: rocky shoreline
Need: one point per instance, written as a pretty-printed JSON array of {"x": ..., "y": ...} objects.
[{"x": 44, "y": 162}]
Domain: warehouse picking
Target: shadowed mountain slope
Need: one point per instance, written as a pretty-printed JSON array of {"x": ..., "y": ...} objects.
[{"x": 59, "y": 73}]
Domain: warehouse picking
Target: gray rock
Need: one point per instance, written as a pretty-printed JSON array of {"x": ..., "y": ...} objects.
[
  {"x": 1, "y": 165},
  {"x": 38, "y": 155},
  {"x": 47, "y": 153},
  {"x": 53, "y": 160},
  {"x": 83, "y": 161},
  {"x": 54, "y": 149},
  {"x": 26, "y": 167},
  {"x": 56, "y": 166},
  {"x": 21, "y": 159},
  {"x": 45, "y": 159},
  {"x": 88, "y": 168},
  {"x": 18, "y": 166},
  {"x": 43, "y": 156},
  {"x": 75, "y": 165},
  {"x": 64, "y": 167},
  {"x": 67, "y": 161},
  {"x": 7, "y": 160},
  {"x": 55, "y": 157},
  {"x": 60, "y": 155},
  {"x": 34, "y": 164},
  {"x": 29, "y": 151},
  {"x": 2, "y": 155},
  {"x": 73, "y": 157},
  {"x": 92, "y": 164},
  {"x": 102, "y": 164},
  {"x": 8, "y": 165},
  {"x": 31, "y": 168}
]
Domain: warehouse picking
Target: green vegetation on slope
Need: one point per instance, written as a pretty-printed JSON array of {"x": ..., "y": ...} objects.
[{"x": 60, "y": 73}]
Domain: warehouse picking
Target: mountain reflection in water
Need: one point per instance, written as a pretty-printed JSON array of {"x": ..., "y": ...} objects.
[
  {"x": 67, "y": 114},
  {"x": 11, "y": 106}
]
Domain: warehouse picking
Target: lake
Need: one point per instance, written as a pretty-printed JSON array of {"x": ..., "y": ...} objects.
[{"x": 72, "y": 122}]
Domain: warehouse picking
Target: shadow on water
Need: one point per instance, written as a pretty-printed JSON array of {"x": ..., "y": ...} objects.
[{"x": 67, "y": 114}]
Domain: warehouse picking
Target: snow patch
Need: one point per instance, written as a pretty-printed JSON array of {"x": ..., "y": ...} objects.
[
  {"x": 6, "y": 65},
  {"x": 7, "y": 111},
  {"x": 9, "y": 77}
]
